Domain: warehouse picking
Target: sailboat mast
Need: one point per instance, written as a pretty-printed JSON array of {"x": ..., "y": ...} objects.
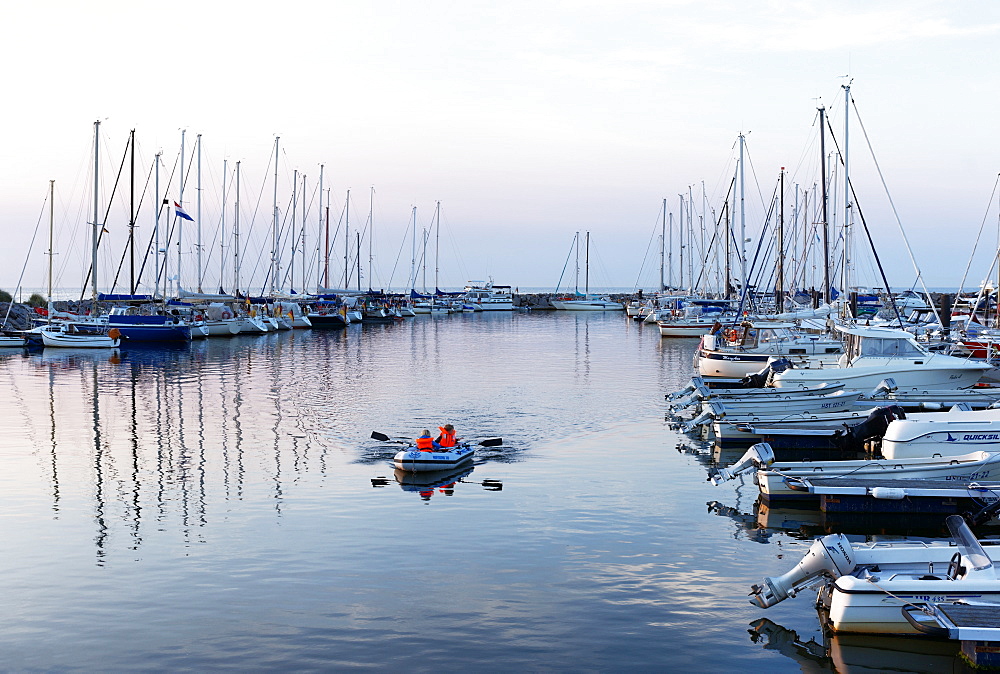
[
  {"x": 302, "y": 238},
  {"x": 324, "y": 259},
  {"x": 663, "y": 244},
  {"x": 358, "y": 236},
  {"x": 413, "y": 249},
  {"x": 586, "y": 273},
  {"x": 96, "y": 230},
  {"x": 294, "y": 233},
  {"x": 779, "y": 286},
  {"x": 52, "y": 197},
  {"x": 347, "y": 240},
  {"x": 236, "y": 234},
  {"x": 200, "y": 273},
  {"x": 437, "y": 245},
  {"x": 371, "y": 234},
  {"x": 180, "y": 221},
  {"x": 680, "y": 240},
  {"x": 743, "y": 221},
  {"x": 222, "y": 227},
  {"x": 847, "y": 193},
  {"x": 156, "y": 229},
  {"x": 131, "y": 215},
  {"x": 823, "y": 204},
  {"x": 274, "y": 220},
  {"x": 576, "y": 279}
]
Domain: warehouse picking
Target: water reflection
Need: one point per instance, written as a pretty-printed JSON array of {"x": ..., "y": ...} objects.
[
  {"x": 859, "y": 653},
  {"x": 441, "y": 482}
]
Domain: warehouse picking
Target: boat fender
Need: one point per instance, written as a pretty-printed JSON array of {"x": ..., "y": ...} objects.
[
  {"x": 888, "y": 493},
  {"x": 114, "y": 333}
]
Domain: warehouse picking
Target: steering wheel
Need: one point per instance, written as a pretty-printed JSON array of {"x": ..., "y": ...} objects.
[{"x": 955, "y": 566}]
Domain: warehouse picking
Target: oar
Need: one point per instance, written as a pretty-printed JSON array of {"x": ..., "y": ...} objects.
[{"x": 489, "y": 442}]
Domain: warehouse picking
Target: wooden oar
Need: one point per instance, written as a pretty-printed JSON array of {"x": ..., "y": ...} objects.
[{"x": 489, "y": 442}]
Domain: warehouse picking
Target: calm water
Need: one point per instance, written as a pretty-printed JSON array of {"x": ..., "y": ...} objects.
[{"x": 222, "y": 507}]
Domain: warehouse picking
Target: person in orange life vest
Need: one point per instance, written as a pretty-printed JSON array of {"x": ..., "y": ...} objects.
[
  {"x": 447, "y": 438},
  {"x": 425, "y": 443}
]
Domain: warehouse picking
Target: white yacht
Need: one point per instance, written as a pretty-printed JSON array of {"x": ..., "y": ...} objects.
[{"x": 872, "y": 354}]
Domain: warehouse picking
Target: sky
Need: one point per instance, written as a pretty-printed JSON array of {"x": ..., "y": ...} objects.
[{"x": 528, "y": 121}]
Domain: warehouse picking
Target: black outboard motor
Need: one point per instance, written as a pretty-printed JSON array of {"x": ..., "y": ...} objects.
[
  {"x": 874, "y": 426},
  {"x": 761, "y": 378}
]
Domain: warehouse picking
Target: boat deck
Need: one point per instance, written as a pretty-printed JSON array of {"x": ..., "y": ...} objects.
[{"x": 900, "y": 495}]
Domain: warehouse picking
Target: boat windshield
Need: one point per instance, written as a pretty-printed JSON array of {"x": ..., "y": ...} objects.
[{"x": 883, "y": 347}]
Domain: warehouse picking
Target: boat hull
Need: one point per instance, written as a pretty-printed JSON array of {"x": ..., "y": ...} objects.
[{"x": 414, "y": 461}]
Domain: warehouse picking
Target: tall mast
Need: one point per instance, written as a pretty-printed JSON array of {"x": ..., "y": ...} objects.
[
  {"x": 302, "y": 241},
  {"x": 847, "y": 192},
  {"x": 295, "y": 234},
  {"x": 324, "y": 259},
  {"x": 156, "y": 229},
  {"x": 222, "y": 227},
  {"x": 274, "y": 221},
  {"x": 96, "y": 230},
  {"x": 177, "y": 220},
  {"x": 236, "y": 234},
  {"x": 743, "y": 222},
  {"x": 663, "y": 244},
  {"x": 199, "y": 215},
  {"x": 779, "y": 286},
  {"x": 437, "y": 245},
  {"x": 347, "y": 240},
  {"x": 576, "y": 280},
  {"x": 823, "y": 204},
  {"x": 586, "y": 273},
  {"x": 131, "y": 215},
  {"x": 358, "y": 235},
  {"x": 413, "y": 249},
  {"x": 680, "y": 240},
  {"x": 52, "y": 198},
  {"x": 670, "y": 252},
  {"x": 326, "y": 253},
  {"x": 371, "y": 234}
]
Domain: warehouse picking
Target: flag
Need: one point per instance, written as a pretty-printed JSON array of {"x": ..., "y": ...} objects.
[{"x": 180, "y": 212}]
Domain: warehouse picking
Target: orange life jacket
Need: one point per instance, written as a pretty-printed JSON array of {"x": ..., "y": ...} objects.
[
  {"x": 425, "y": 444},
  {"x": 447, "y": 437}
]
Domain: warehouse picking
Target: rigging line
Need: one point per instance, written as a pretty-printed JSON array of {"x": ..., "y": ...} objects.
[
  {"x": 645, "y": 256},
  {"x": 138, "y": 208},
  {"x": 27, "y": 257},
  {"x": 899, "y": 224},
  {"x": 253, "y": 219},
  {"x": 979, "y": 236},
  {"x": 566, "y": 264},
  {"x": 107, "y": 211},
  {"x": 760, "y": 240}
]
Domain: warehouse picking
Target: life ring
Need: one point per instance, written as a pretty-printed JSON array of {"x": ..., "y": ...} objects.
[
  {"x": 226, "y": 314},
  {"x": 731, "y": 334}
]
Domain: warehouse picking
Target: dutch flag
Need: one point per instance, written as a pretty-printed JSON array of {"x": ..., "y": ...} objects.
[{"x": 180, "y": 212}]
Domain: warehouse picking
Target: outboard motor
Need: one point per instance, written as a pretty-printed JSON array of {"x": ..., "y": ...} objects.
[
  {"x": 829, "y": 557},
  {"x": 872, "y": 427},
  {"x": 763, "y": 377},
  {"x": 759, "y": 456}
]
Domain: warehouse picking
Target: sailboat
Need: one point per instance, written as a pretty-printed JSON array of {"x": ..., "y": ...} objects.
[
  {"x": 586, "y": 302},
  {"x": 83, "y": 335}
]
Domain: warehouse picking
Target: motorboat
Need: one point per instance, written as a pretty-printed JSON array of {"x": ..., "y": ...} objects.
[
  {"x": 488, "y": 297},
  {"x": 773, "y": 477},
  {"x": 745, "y": 348},
  {"x": 952, "y": 433},
  {"x": 872, "y": 354},
  {"x": 588, "y": 303},
  {"x": 414, "y": 460},
  {"x": 865, "y": 585}
]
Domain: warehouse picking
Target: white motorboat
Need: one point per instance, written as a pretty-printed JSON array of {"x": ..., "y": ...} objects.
[
  {"x": 741, "y": 350},
  {"x": 773, "y": 405},
  {"x": 488, "y": 297},
  {"x": 69, "y": 337},
  {"x": 955, "y": 432},
  {"x": 414, "y": 460},
  {"x": 865, "y": 586},
  {"x": 772, "y": 477},
  {"x": 872, "y": 354}
]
